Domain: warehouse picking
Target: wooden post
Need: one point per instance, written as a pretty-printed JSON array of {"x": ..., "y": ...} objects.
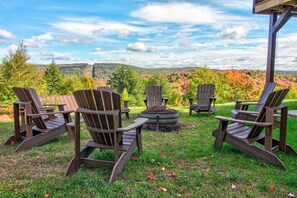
[
  {"x": 275, "y": 25},
  {"x": 271, "y": 49}
]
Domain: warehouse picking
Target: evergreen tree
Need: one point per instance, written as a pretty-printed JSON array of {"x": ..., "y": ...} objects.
[
  {"x": 16, "y": 71},
  {"x": 121, "y": 78},
  {"x": 54, "y": 79}
]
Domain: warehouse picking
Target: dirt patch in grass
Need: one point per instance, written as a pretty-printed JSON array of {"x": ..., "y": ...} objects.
[{"x": 20, "y": 166}]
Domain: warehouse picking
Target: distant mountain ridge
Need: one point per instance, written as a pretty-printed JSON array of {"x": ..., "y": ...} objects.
[{"x": 104, "y": 70}]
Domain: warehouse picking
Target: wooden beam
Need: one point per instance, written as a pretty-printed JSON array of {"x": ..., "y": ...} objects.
[
  {"x": 282, "y": 20},
  {"x": 272, "y": 5}
]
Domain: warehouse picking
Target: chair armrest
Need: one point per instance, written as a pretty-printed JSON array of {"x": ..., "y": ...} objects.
[
  {"x": 22, "y": 103},
  {"x": 263, "y": 124},
  {"x": 49, "y": 113},
  {"x": 87, "y": 111},
  {"x": 137, "y": 123},
  {"x": 60, "y": 106},
  {"x": 248, "y": 112},
  {"x": 240, "y": 101},
  {"x": 54, "y": 105},
  {"x": 252, "y": 103}
]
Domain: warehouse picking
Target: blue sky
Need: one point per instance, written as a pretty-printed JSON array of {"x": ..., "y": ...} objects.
[{"x": 219, "y": 34}]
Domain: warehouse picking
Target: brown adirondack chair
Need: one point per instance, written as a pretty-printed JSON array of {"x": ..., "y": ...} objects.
[
  {"x": 243, "y": 105},
  {"x": 205, "y": 97},
  {"x": 101, "y": 112},
  {"x": 243, "y": 133},
  {"x": 33, "y": 124},
  {"x": 124, "y": 110},
  {"x": 154, "y": 96}
]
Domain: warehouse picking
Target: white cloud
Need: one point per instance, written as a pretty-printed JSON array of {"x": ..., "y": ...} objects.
[
  {"x": 183, "y": 13},
  {"x": 37, "y": 41},
  {"x": 237, "y": 4},
  {"x": 61, "y": 56},
  {"x": 184, "y": 42},
  {"x": 139, "y": 47},
  {"x": 97, "y": 49},
  {"x": 91, "y": 27},
  {"x": 7, "y": 35},
  {"x": 123, "y": 32},
  {"x": 234, "y": 33},
  {"x": 67, "y": 39}
]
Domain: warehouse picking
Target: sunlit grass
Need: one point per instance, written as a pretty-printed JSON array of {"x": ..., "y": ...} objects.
[{"x": 200, "y": 170}]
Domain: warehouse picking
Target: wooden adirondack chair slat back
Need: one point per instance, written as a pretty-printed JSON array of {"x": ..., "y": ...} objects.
[
  {"x": 204, "y": 92},
  {"x": 154, "y": 95},
  {"x": 25, "y": 95},
  {"x": 274, "y": 99},
  {"x": 265, "y": 93},
  {"x": 101, "y": 127}
]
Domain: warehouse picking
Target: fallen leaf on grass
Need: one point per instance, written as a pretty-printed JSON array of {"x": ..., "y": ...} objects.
[
  {"x": 233, "y": 186},
  {"x": 163, "y": 168},
  {"x": 179, "y": 195},
  {"x": 177, "y": 132},
  {"x": 291, "y": 195},
  {"x": 136, "y": 158},
  {"x": 164, "y": 189},
  {"x": 161, "y": 153},
  {"x": 12, "y": 142},
  {"x": 151, "y": 176},
  {"x": 169, "y": 174},
  {"x": 148, "y": 145},
  {"x": 17, "y": 177},
  {"x": 45, "y": 196},
  {"x": 272, "y": 187}
]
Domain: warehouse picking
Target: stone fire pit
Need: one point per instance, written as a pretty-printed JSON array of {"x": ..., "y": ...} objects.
[{"x": 161, "y": 118}]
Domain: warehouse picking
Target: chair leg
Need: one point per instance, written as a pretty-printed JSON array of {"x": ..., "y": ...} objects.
[
  {"x": 72, "y": 166},
  {"x": 254, "y": 151},
  {"x": 288, "y": 149},
  {"x": 9, "y": 140},
  {"x": 127, "y": 115},
  {"x": 123, "y": 160},
  {"x": 139, "y": 140},
  {"x": 220, "y": 135},
  {"x": 41, "y": 139},
  {"x": 190, "y": 112}
]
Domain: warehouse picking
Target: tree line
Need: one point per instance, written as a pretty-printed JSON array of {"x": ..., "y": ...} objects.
[{"x": 177, "y": 87}]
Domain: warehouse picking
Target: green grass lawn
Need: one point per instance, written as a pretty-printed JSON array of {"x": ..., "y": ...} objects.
[{"x": 200, "y": 170}]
